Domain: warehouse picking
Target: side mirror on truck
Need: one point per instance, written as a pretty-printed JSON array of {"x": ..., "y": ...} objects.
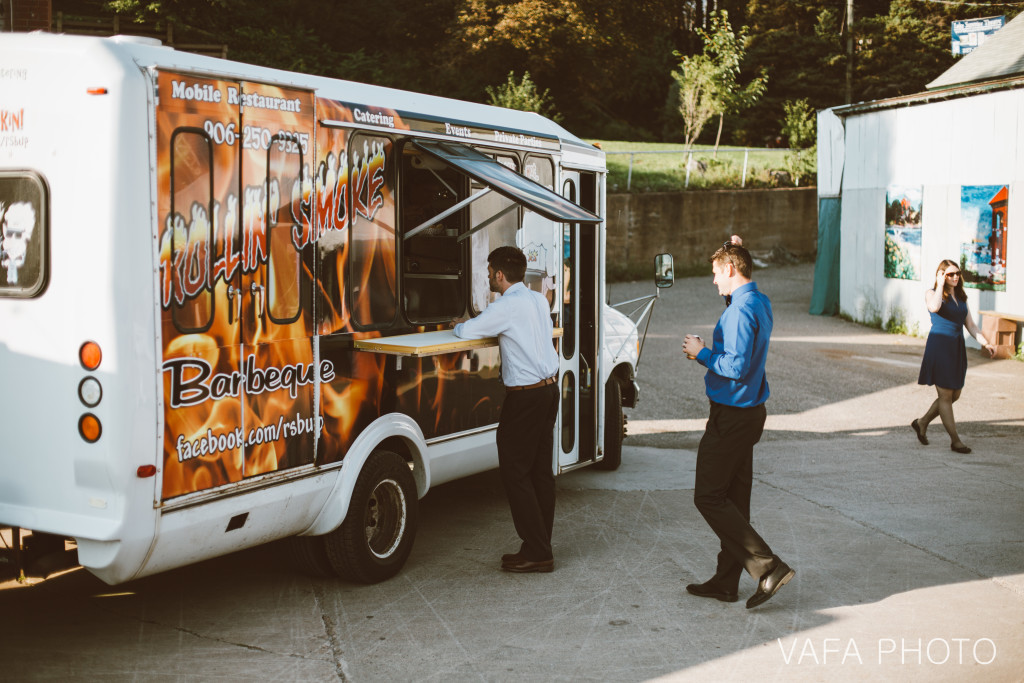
[{"x": 663, "y": 271}]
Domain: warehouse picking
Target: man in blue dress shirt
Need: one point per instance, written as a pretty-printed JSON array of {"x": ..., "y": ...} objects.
[
  {"x": 521, "y": 321},
  {"x": 737, "y": 389}
]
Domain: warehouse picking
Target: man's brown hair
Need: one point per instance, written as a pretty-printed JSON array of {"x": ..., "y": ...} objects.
[
  {"x": 738, "y": 256},
  {"x": 509, "y": 260}
]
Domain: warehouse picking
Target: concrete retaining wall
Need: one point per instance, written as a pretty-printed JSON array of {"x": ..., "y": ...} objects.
[{"x": 691, "y": 225}]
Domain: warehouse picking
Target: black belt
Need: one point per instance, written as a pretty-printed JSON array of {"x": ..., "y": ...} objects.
[{"x": 536, "y": 385}]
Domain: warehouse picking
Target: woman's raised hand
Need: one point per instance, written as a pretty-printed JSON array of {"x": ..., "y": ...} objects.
[{"x": 940, "y": 280}]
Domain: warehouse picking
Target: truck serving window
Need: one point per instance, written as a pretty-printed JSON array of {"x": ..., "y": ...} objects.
[
  {"x": 487, "y": 175},
  {"x": 519, "y": 188},
  {"x": 500, "y": 232},
  {"x": 542, "y": 263},
  {"x": 24, "y": 234},
  {"x": 433, "y": 258}
]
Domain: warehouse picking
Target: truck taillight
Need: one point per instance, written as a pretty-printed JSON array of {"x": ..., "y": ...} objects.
[
  {"x": 89, "y": 427},
  {"x": 90, "y": 392},
  {"x": 90, "y": 355}
]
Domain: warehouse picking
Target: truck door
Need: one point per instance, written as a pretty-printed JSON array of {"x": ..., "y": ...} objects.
[
  {"x": 197, "y": 235},
  {"x": 233, "y": 233},
  {"x": 278, "y": 352},
  {"x": 580, "y": 345},
  {"x": 569, "y": 359}
]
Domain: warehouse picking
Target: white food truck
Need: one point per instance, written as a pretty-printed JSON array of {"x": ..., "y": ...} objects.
[{"x": 224, "y": 300}]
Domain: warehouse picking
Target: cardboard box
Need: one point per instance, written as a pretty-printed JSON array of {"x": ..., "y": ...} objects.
[{"x": 1001, "y": 333}]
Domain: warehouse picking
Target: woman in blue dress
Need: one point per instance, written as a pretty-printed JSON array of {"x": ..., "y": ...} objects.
[{"x": 945, "y": 356}]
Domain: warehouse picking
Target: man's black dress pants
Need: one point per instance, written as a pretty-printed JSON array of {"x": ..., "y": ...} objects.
[
  {"x": 722, "y": 490},
  {"x": 525, "y": 449}
]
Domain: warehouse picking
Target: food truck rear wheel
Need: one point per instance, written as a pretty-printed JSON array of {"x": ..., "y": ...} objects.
[
  {"x": 308, "y": 554},
  {"x": 614, "y": 426},
  {"x": 376, "y": 537}
]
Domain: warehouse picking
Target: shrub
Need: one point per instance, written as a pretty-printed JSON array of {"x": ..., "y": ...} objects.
[{"x": 522, "y": 96}]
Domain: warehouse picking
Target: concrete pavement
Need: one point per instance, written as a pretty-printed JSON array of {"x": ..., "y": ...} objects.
[{"x": 909, "y": 558}]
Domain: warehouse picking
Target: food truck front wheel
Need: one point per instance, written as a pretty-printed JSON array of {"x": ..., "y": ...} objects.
[
  {"x": 375, "y": 539},
  {"x": 614, "y": 426}
]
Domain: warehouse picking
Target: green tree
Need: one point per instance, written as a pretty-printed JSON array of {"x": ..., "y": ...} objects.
[
  {"x": 901, "y": 50},
  {"x": 695, "y": 94},
  {"x": 900, "y": 46},
  {"x": 707, "y": 84},
  {"x": 726, "y": 50},
  {"x": 800, "y": 44},
  {"x": 523, "y": 96},
  {"x": 606, "y": 63},
  {"x": 800, "y": 128},
  {"x": 393, "y": 44}
]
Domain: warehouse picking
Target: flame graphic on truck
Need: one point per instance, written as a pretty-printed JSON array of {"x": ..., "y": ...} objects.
[{"x": 261, "y": 292}]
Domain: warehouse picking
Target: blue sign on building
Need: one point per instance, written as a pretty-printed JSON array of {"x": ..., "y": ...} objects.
[{"x": 969, "y": 34}]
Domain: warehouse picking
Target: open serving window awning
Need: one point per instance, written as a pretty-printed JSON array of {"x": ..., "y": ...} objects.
[{"x": 507, "y": 182}]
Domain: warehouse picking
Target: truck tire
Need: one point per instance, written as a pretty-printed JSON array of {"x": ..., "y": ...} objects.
[
  {"x": 614, "y": 426},
  {"x": 308, "y": 554},
  {"x": 375, "y": 539}
]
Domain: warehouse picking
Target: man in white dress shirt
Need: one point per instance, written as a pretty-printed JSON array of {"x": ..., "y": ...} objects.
[{"x": 521, "y": 321}]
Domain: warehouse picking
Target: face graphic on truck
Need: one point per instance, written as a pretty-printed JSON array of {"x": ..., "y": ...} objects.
[
  {"x": 24, "y": 234},
  {"x": 16, "y": 226}
]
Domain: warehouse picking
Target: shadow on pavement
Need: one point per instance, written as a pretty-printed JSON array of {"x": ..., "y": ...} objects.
[{"x": 893, "y": 543}]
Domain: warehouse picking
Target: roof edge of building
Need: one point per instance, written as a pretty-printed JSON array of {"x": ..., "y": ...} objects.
[{"x": 937, "y": 95}]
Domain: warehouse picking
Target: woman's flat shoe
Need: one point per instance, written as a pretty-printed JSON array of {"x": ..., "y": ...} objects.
[
  {"x": 920, "y": 435},
  {"x": 959, "y": 449}
]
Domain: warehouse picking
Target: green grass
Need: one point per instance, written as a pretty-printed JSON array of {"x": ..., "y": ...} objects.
[{"x": 666, "y": 172}]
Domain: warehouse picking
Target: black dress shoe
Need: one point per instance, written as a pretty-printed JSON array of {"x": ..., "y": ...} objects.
[
  {"x": 511, "y": 557},
  {"x": 770, "y": 584},
  {"x": 523, "y": 566},
  {"x": 710, "y": 589},
  {"x": 920, "y": 435}
]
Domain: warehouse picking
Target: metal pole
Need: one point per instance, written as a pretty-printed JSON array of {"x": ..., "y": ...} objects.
[
  {"x": 629, "y": 176},
  {"x": 743, "y": 178},
  {"x": 689, "y": 158},
  {"x": 849, "y": 51}
]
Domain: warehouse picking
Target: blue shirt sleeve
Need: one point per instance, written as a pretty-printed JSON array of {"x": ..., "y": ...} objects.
[
  {"x": 736, "y": 359},
  {"x": 738, "y": 330}
]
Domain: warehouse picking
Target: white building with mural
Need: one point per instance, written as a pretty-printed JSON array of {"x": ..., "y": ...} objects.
[{"x": 959, "y": 148}]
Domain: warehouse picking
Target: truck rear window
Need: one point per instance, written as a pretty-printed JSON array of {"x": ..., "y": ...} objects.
[{"x": 24, "y": 234}]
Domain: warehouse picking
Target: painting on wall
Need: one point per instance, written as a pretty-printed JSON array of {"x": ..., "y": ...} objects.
[
  {"x": 984, "y": 220},
  {"x": 903, "y": 232}
]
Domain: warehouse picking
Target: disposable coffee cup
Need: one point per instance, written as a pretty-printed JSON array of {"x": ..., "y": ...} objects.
[{"x": 701, "y": 341}]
